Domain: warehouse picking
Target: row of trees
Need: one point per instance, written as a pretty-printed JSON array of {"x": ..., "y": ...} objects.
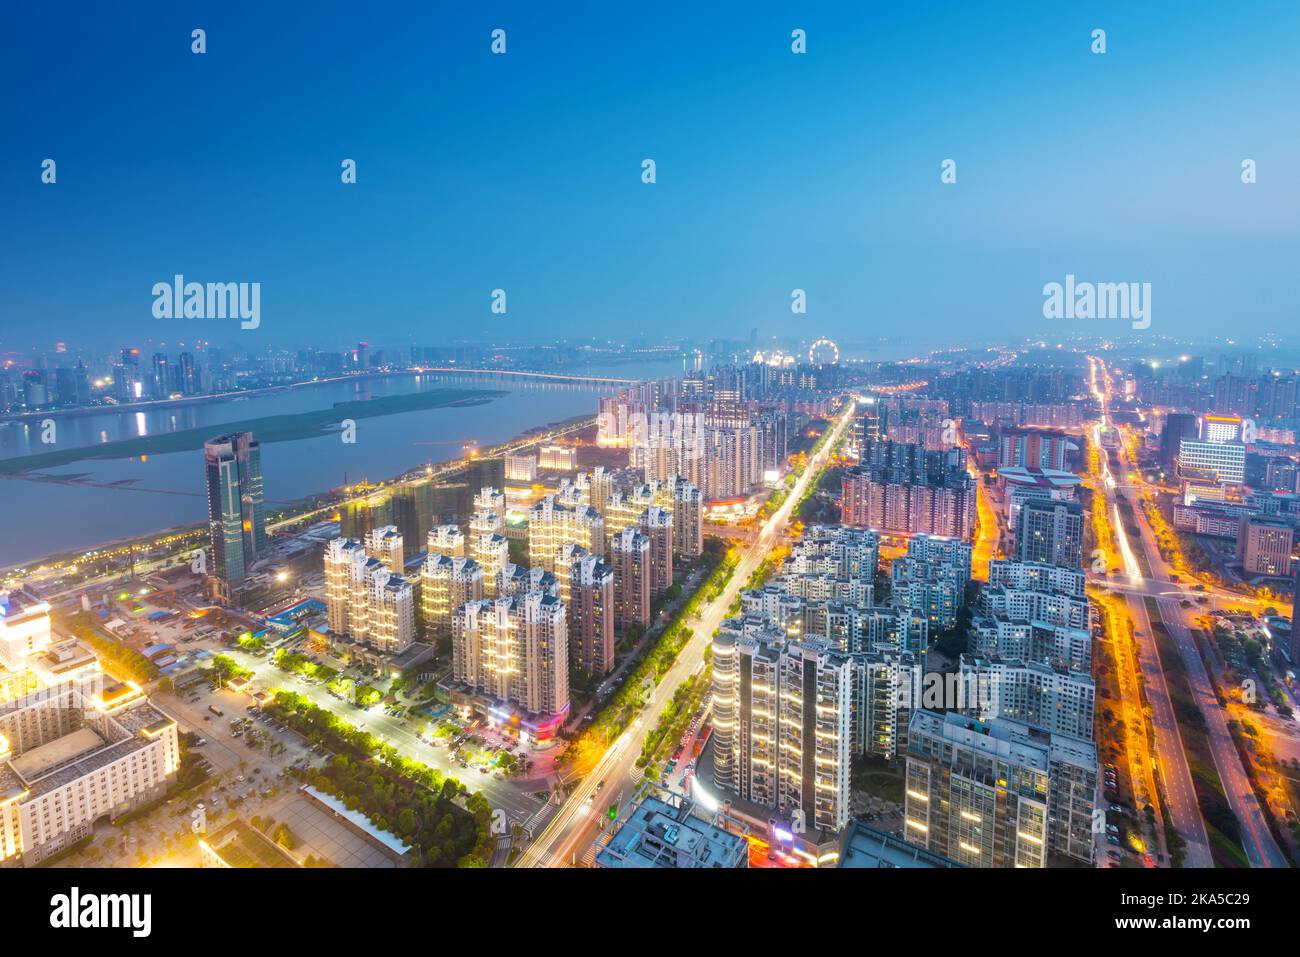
[
  {"x": 618, "y": 713},
  {"x": 122, "y": 660},
  {"x": 358, "y": 751}
]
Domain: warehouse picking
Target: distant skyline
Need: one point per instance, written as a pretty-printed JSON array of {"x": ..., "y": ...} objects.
[{"x": 775, "y": 171}]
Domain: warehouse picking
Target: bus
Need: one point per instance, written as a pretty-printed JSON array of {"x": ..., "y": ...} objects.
[{"x": 215, "y": 710}]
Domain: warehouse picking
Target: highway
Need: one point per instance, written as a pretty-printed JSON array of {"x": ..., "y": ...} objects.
[
  {"x": 1260, "y": 848},
  {"x": 574, "y": 827}
]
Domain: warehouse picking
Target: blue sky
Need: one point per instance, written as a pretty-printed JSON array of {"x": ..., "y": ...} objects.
[{"x": 522, "y": 171}]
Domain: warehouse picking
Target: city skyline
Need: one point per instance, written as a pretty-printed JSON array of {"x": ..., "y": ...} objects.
[{"x": 861, "y": 438}]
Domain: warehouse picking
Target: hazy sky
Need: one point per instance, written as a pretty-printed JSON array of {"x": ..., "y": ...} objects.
[{"x": 775, "y": 171}]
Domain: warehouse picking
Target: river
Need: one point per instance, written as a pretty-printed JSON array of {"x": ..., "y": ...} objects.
[{"x": 162, "y": 491}]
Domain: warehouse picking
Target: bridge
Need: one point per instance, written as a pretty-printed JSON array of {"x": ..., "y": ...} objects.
[{"x": 530, "y": 378}]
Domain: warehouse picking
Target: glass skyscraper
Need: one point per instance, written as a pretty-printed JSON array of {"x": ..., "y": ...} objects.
[{"x": 233, "y": 469}]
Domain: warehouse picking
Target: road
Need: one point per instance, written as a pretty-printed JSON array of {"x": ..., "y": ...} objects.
[
  {"x": 1170, "y": 757},
  {"x": 571, "y": 832},
  {"x": 1260, "y": 848}
]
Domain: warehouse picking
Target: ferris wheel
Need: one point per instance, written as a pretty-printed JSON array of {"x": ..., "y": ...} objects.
[{"x": 823, "y": 352}]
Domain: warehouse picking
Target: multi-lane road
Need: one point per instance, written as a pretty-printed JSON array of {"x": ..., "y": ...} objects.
[
  {"x": 1258, "y": 843},
  {"x": 574, "y": 827}
]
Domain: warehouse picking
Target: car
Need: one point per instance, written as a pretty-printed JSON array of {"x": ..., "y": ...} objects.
[
  {"x": 600, "y": 785},
  {"x": 1113, "y": 839}
]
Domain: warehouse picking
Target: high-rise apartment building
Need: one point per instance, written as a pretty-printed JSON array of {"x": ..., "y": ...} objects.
[
  {"x": 515, "y": 650},
  {"x": 445, "y": 584},
  {"x": 1034, "y": 448},
  {"x": 782, "y": 726},
  {"x": 998, "y": 793},
  {"x": 907, "y": 495},
  {"x": 587, "y": 589},
  {"x": 1050, "y": 532},
  {"x": 631, "y": 559},
  {"x": 657, "y": 524},
  {"x": 552, "y": 525},
  {"x": 365, "y": 600},
  {"x": 385, "y": 543},
  {"x": 447, "y": 540},
  {"x": 1051, "y": 699}
]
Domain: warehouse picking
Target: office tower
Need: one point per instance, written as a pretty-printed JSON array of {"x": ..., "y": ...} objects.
[
  {"x": 998, "y": 794},
  {"x": 127, "y": 380},
  {"x": 587, "y": 590},
  {"x": 1264, "y": 546},
  {"x": 657, "y": 524},
  {"x": 1178, "y": 426},
  {"x": 386, "y": 545},
  {"x": 1034, "y": 693},
  {"x": 160, "y": 386},
  {"x": 236, "y": 526},
  {"x": 521, "y": 468},
  {"x": 782, "y": 726},
  {"x": 514, "y": 649},
  {"x": 447, "y": 540},
  {"x": 1219, "y": 429},
  {"x": 552, "y": 525},
  {"x": 1050, "y": 532},
  {"x": 190, "y": 381},
  {"x": 1210, "y": 469},
  {"x": 1034, "y": 448},
  {"x": 630, "y": 557},
  {"x": 446, "y": 583},
  {"x": 362, "y": 356}
]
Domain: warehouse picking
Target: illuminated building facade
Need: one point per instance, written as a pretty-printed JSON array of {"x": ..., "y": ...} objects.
[
  {"x": 998, "y": 794},
  {"x": 514, "y": 650},
  {"x": 236, "y": 524}
]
